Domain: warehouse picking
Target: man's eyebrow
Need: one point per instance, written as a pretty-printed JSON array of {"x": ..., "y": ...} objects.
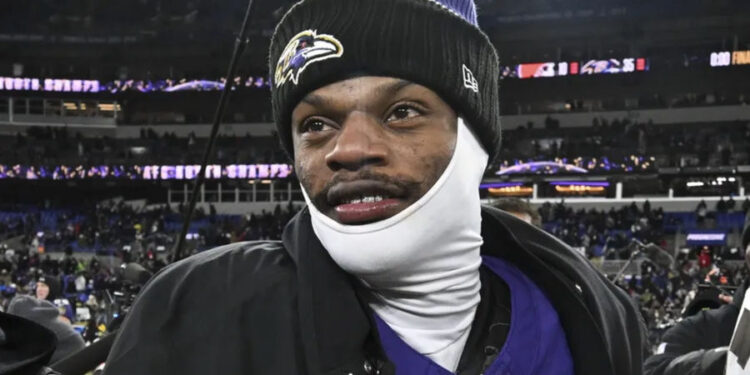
[{"x": 315, "y": 100}]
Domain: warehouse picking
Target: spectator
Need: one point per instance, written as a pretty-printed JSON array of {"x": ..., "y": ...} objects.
[
  {"x": 48, "y": 288},
  {"x": 721, "y": 205},
  {"x": 702, "y": 210},
  {"x": 705, "y": 260},
  {"x": 731, "y": 204}
]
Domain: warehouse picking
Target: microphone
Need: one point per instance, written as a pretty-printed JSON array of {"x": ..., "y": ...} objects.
[
  {"x": 651, "y": 251},
  {"x": 655, "y": 253},
  {"x": 135, "y": 273}
]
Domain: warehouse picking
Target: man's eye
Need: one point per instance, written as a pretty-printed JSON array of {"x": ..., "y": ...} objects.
[
  {"x": 313, "y": 126},
  {"x": 403, "y": 112}
]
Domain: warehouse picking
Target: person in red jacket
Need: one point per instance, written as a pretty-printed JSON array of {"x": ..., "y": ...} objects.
[{"x": 704, "y": 258}]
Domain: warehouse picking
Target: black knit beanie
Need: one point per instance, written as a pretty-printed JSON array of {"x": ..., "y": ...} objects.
[
  {"x": 434, "y": 43},
  {"x": 53, "y": 282}
]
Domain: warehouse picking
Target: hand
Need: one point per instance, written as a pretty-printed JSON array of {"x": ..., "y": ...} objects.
[{"x": 725, "y": 298}]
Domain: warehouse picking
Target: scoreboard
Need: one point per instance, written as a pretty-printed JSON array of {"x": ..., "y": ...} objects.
[
  {"x": 589, "y": 67},
  {"x": 726, "y": 58}
]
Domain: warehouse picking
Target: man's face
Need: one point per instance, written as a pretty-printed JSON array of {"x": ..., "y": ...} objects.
[
  {"x": 368, "y": 147},
  {"x": 42, "y": 290}
]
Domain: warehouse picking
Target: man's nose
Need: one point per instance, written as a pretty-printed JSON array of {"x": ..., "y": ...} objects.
[{"x": 359, "y": 143}]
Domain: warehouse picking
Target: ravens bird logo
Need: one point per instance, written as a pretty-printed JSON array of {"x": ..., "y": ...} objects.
[{"x": 304, "y": 49}]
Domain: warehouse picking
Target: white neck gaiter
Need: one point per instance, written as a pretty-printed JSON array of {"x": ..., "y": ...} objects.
[{"x": 422, "y": 265}]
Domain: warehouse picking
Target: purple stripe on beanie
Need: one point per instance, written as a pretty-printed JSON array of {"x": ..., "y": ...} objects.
[{"x": 464, "y": 8}]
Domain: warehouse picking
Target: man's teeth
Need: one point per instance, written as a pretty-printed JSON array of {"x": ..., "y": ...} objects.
[{"x": 368, "y": 199}]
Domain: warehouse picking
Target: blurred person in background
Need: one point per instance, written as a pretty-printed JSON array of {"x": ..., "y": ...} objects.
[
  {"x": 705, "y": 259},
  {"x": 520, "y": 209},
  {"x": 47, "y": 288}
]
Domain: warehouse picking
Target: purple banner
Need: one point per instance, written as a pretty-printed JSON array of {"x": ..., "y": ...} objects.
[{"x": 146, "y": 172}]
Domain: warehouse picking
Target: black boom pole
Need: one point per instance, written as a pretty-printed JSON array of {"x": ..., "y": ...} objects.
[{"x": 239, "y": 46}]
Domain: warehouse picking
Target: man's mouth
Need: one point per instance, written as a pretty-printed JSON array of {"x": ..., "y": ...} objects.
[{"x": 361, "y": 202}]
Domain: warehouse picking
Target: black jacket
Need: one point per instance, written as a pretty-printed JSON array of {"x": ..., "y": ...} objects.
[
  {"x": 688, "y": 346},
  {"x": 287, "y": 308}
]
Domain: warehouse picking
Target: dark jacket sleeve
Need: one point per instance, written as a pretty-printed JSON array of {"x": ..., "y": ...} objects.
[
  {"x": 198, "y": 303},
  {"x": 694, "y": 345}
]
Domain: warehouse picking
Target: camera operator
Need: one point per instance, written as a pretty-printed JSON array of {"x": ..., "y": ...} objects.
[{"x": 710, "y": 341}]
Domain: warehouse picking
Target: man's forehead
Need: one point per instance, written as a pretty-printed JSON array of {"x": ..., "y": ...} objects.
[{"x": 366, "y": 85}]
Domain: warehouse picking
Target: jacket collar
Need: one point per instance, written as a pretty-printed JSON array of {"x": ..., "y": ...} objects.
[{"x": 332, "y": 320}]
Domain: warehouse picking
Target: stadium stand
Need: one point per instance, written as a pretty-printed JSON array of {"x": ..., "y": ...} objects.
[{"x": 623, "y": 124}]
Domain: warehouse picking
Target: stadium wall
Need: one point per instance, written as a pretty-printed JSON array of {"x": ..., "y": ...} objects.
[
  {"x": 100, "y": 126},
  {"x": 675, "y": 204},
  {"x": 657, "y": 116},
  {"x": 680, "y": 204}
]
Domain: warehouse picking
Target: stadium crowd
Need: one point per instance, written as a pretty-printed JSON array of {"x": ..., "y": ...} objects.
[
  {"x": 110, "y": 226},
  {"x": 76, "y": 253},
  {"x": 699, "y": 277},
  {"x": 123, "y": 16},
  {"x": 79, "y": 263},
  {"x": 56, "y": 146},
  {"x": 723, "y": 144}
]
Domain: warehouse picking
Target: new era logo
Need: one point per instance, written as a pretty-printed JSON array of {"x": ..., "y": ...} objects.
[{"x": 470, "y": 82}]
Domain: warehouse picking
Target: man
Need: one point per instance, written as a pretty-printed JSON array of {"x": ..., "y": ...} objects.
[
  {"x": 520, "y": 209},
  {"x": 390, "y": 111},
  {"x": 708, "y": 342},
  {"x": 47, "y": 288}
]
